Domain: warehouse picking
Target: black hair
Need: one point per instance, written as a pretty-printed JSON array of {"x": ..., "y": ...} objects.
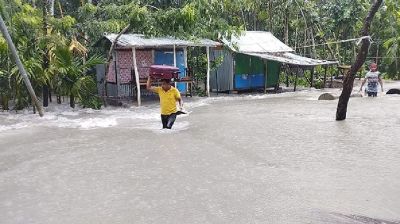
[{"x": 167, "y": 81}]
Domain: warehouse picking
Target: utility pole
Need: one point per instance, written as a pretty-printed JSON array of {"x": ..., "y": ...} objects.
[{"x": 21, "y": 68}]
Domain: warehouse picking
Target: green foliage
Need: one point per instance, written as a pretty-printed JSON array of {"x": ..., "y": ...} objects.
[
  {"x": 68, "y": 42},
  {"x": 70, "y": 73}
]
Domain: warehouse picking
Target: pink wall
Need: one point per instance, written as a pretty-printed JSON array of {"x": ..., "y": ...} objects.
[{"x": 144, "y": 59}]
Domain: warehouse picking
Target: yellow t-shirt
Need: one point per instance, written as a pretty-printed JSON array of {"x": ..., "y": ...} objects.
[{"x": 168, "y": 100}]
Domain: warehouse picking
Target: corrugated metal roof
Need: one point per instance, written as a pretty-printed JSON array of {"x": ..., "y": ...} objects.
[
  {"x": 265, "y": 45},
  {"x": 139, "y": 40},
  {"x": 256, "y": 42},
  {"x": 293, "y": 59}
]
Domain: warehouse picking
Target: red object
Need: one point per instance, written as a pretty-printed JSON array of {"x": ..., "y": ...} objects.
[{"x": 164, "y": 72}]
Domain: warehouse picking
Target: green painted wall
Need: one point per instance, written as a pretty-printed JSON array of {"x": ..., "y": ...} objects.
[
  {"x": 273, "y": 69},
  {"x": 246, "y": 64}
]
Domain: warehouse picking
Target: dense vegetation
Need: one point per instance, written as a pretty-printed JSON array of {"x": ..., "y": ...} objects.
[{"x": 55, "y": 38}]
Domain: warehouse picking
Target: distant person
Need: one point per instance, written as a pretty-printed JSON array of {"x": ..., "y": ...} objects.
[
  {"x": 169, "y": 95},
  {"x": 373, "y": 78}
]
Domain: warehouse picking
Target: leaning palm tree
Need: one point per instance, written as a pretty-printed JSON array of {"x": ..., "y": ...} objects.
[{"x": 5, "y": 89}]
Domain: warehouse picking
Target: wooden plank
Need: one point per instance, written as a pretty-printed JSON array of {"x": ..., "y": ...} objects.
[{"x": 139, "y": 100}]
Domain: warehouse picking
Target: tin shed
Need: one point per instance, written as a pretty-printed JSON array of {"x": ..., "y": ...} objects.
[{"x": 253, "y": 61}]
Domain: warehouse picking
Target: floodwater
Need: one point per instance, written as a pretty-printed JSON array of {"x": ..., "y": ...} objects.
[{"x": 235, "y": 159}]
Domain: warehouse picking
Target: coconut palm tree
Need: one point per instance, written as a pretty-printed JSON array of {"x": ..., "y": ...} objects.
[{"x": 70, "y": 72}]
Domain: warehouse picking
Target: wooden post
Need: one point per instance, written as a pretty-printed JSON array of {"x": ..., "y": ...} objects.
[
  {"x": 208, "y": 72},
  {"x": 324, "y": 76},
  {"x": 266, "y": 75},
  {"x": 139, "y": 100},
  {"x": 21, "y": 68},
  {"x": 115, "y": 61},
  {"x": 287, "y": 77},
  {"x": 174, "y": 56},
  {"x": 295, "y": 80},
  {"x": 278, "y": 83},
  {"x": 175, "y": 62},
  {"x": 312, "y": 76},
  {"x": 186, "y": 67}
]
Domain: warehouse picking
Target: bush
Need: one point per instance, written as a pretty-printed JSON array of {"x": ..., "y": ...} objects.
[{"x": 93, "y": 102}]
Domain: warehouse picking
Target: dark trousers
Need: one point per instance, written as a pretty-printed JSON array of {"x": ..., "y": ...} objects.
[{"x": 168, "y": 120}]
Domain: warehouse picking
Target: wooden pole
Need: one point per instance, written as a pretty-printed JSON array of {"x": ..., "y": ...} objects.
[
  {"x": 312, "y": 76},
  {"x": 175, "y": 62},
  {"x": 288, "y": 70},
  {"x": 174, "y": 56},
  {"x": 139, "y": 100},
  {"x": 186, "y": 67},
  {"x": 208, "y": 71},
  {"x": 324, "y": 76},
  {"x": 265, "y": 78},
  {"x": 21, "y": 68},
  {"x": 295, "y": 80}
]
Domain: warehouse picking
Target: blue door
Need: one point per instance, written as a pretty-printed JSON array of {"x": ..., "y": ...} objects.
[{"x": 167, "y": 58}]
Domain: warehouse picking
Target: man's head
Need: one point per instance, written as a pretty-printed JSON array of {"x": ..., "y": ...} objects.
[
  {"x": 373, "y": 67},
  {"x": 166, "y": 84}
]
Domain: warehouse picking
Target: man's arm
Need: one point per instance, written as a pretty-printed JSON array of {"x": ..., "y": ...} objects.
[
  {"x": 179, "y": 99},
  {"x": 149, "y": 87},
  {"x": 180, "y": 103},
  {"x": 380, "y": 82}
]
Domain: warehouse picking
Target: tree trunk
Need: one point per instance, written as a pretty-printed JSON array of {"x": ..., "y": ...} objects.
[
  {"x": 61, "y": 10},
  {"x": 51, "y": 7},
  {"x": 50, "y": 99},
  {"x": 287, "y": 25},
  {"x": 314, "y": 51},
  {"x": 21, "y": 68},
  {"x": 45, "y": 63},
  {"x": 45, "y": 93},
  {"x": 72, "y": 101},
  {"x": 348, "y": 81},
  {"x": 270, "y": 16}
]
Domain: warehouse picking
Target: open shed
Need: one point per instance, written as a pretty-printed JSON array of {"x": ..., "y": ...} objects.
[
  {"x": 134, "y": 54},
  {"x": 254, "y": 60}
]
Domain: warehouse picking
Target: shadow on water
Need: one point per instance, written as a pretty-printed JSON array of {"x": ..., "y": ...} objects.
[{"x": 359, "y": 219}]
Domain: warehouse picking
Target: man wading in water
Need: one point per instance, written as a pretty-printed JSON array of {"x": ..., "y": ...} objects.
[
  {"x": 169, "y": 95},
  {"x": 373, "y": 77}
]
